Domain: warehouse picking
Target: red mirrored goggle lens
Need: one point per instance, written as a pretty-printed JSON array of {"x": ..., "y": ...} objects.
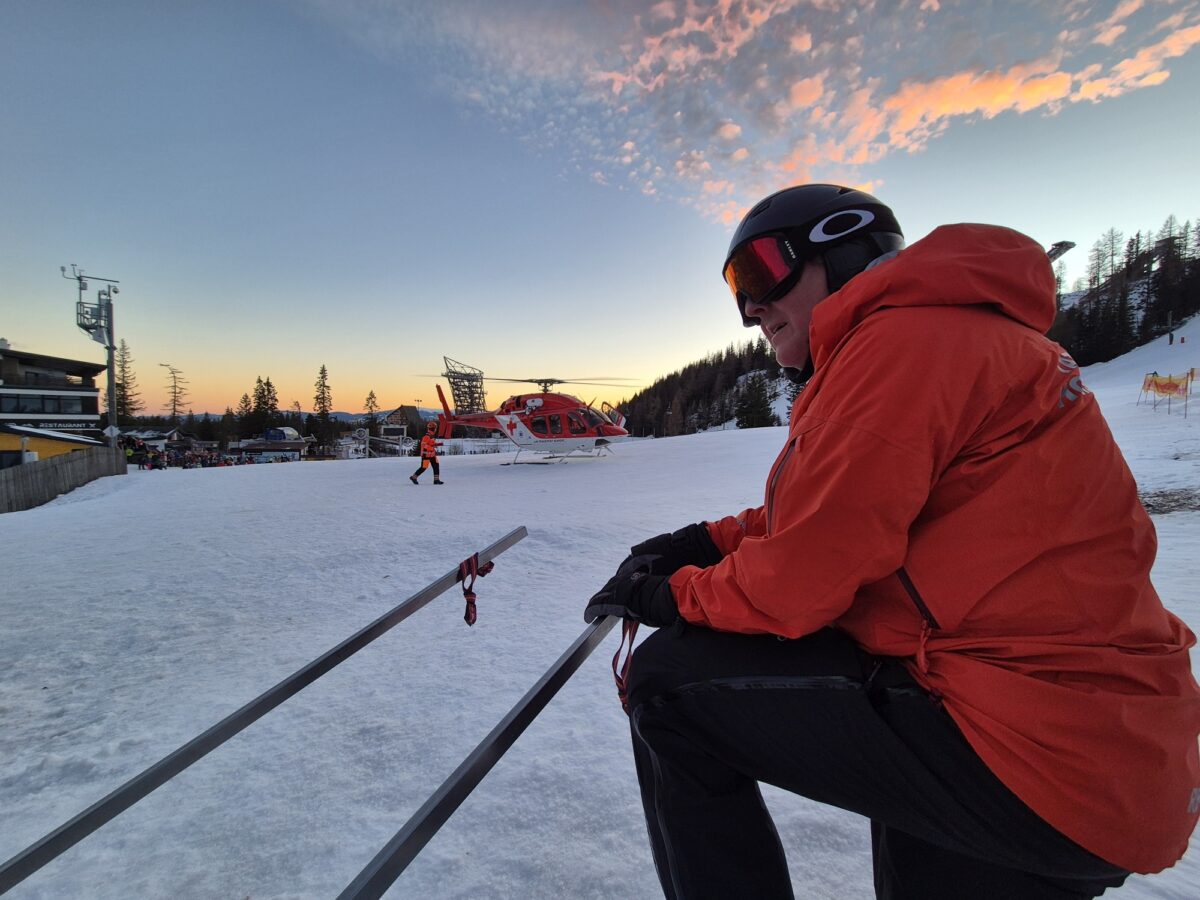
[{"x": 758, "y": 267}]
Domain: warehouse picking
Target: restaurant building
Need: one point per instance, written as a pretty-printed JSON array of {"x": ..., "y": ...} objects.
[{"x": 49, "y": 393}]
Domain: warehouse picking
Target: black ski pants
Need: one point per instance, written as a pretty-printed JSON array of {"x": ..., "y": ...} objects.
[
  {"x": 426, "y": 462},
  {"x": 713, "y": 714}
]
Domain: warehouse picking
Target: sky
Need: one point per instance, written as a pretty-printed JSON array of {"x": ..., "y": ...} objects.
[
  {"x": 179, "y": 618},
  {"x": 534, "y": 188}
]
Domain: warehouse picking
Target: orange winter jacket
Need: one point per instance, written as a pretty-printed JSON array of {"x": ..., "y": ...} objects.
[
  {"x": 951, "y": 494},
  {"x": 429, "y": 445}
]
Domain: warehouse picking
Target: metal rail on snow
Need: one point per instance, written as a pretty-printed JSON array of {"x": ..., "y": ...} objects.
[
  {"x": 394, "y": 858},
  {"x": 66, "y": 836}
]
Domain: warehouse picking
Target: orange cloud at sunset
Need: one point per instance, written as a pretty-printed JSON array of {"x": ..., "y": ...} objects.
[
  {"x": 1144, "y": 69},
  {"x": 801, "y": 42},
  {"x": 806, "y": 91},
  {"x": 1111, "y": 29},
  {"x": 729, "y": 26},
  {"x": 918, "y": 109},
  {"x": 737, "y": 95}
]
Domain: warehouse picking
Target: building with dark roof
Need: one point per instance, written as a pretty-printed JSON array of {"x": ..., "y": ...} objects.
[{"x": 49, "y": 393}]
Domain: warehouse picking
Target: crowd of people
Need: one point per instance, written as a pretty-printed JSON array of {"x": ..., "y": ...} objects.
[{"x": 145, "y": 456}]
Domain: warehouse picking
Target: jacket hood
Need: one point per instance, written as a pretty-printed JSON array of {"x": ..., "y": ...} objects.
[{"x": 955, "y": 265}]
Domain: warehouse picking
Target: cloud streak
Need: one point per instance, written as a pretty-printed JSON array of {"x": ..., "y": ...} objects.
[{"x": 714, "y": 102}]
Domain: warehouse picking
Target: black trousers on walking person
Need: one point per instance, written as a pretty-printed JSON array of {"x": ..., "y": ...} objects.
[
  {"x": 426, "y": 462},
  {"x": 713, "y": 714}
]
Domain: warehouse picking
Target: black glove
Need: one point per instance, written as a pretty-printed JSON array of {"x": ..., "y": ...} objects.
[
  {"x": 689, "y": 546},
  {"x": 635, "y": 595}
]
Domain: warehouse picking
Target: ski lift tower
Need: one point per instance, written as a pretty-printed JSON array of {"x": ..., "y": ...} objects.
[
  {"x": 97, "y": 320},
  {"x": 1058, "y": 249},
  {"x": 466, "y": 387}
]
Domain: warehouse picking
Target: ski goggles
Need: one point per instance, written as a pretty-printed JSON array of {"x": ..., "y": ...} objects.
[{"x": 761, "y": 271}]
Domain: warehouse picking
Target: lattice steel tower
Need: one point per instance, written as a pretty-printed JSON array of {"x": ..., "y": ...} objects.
[{"x": 466, "y": 387}]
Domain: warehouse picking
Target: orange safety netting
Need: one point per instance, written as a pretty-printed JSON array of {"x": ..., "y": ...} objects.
[{"x": 1167, "y": 385}]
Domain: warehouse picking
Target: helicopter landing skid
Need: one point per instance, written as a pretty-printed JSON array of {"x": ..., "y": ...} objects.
[{"x": 550, "y": 458}]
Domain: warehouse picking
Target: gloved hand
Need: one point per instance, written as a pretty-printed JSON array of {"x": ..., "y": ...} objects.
[
  {"x": 635, "y": 594},
  {"x": 689, "y": 546}
]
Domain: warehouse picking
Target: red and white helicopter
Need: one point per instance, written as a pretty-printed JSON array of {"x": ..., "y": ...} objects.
[{"x": 542, "y": 421}]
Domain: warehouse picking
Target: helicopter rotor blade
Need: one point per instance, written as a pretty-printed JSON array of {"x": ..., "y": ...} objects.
[
  {"x": 608, "y": 382},
  {"x": 595, "y": 380}
]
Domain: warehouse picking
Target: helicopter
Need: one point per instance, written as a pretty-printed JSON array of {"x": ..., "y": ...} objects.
[{"x": 543, "y": 421}]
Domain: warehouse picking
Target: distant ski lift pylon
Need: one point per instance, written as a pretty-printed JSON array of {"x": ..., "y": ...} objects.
[
  {"x": 1058, "y": 248},
  {"x": 466, "y": 387}
]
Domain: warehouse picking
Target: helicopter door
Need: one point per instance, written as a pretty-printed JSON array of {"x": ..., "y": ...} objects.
[{"x": 575, "y": 424}]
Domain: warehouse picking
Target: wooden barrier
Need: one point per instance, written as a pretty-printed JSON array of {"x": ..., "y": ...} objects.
[{"x": 32, "y": 484}]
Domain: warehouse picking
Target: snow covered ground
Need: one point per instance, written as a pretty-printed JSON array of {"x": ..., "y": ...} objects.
[{"x": 139, "y": 610}]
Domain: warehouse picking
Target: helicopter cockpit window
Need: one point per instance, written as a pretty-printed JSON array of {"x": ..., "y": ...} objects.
[
  {"x": 538, "y": 425},
  {"x": 575, "y": 424},
  {"x": 556, "y": 424},
  {"x": 593, "y": 418}
]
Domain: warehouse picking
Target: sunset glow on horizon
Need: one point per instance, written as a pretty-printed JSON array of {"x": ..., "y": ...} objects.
[{"x": 538, "y": 189}]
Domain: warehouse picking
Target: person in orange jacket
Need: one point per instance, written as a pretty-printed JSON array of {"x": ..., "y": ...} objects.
[
  {"x": 941, "y": 616},
  {"x": 429, "y": 445}
]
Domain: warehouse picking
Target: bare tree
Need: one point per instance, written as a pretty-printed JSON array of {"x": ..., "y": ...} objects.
[{"x": 176, "y": 392}]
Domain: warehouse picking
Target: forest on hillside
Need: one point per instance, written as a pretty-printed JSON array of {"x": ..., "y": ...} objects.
[
  {"x": 708, "y": 393},
  {"x": 1136, "y": 289}
]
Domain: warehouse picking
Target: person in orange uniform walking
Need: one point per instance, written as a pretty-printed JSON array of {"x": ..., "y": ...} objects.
[
  {"x": 429, "y": 445},
  {"x": 941, "y": 617}
]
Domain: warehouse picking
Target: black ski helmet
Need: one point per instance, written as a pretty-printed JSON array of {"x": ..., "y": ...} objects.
[{"x": 846, "y": 228}]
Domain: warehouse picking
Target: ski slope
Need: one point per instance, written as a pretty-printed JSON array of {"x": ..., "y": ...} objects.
[{"x": 139, "y": 610}]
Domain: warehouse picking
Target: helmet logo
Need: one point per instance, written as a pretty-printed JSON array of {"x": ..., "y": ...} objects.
[{"x": 844, "y": 221}]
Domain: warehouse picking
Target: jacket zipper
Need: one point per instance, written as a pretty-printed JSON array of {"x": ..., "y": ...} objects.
[
  {"x": 928, "y": 622},
  {"x": 775, "y": 478}
]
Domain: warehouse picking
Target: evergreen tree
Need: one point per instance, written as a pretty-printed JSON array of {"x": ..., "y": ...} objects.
[
  {"x": 228, "y": 429},
  {"x": 323, "y": 407},
  {"x": 127, "y": 403},
  {"x": 206, "y": 428},
  {"x": 1168, "y": 305},
  {"x": 793, "y": 391},
  {"x": 371, "y": 420},
  {"x": 245, "y": 417},
  {"x": 676, "y": 418},
  {"x": 271, "y": 403},
  {"x": 1060, "y": 277},
  {"x": 264, "y": 407},
  {"x": 754, "y": 404}
]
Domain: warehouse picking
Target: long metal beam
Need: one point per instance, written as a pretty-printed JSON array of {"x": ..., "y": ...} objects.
[
  {"x": 394, "y": 858},
  {"x": 68, "y": 835}
]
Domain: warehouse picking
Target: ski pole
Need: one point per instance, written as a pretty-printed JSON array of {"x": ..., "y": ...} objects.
[
  {"x": 68, "y": 835},
  {"x": 394, "y": 858}
]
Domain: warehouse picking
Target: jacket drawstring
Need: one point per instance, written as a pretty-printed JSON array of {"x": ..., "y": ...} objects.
[
  {"x": 621, "y": 672},
  {"x": 470, "y": 568},
  {"x": 922, "y": 659}
]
